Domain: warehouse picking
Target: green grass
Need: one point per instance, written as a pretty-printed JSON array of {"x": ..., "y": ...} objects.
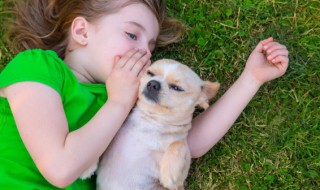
[{"x": 275, "y": 143}]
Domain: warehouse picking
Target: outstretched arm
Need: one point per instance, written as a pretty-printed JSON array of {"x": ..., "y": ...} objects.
[{"x": 269, "y": 60}]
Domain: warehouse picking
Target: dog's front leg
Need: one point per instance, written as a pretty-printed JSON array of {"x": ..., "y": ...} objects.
[{"x": 174, "y": 165}]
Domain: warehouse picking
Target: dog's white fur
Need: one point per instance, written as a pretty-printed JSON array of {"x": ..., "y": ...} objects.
[{"x": 150, "y": 150}]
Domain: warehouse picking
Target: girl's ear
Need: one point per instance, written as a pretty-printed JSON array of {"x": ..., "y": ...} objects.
[
  {"x": 79, "y": 31},
  {"x": 209, "y": 90}
]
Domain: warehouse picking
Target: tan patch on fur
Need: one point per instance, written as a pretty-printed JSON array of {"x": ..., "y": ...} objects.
[{"x": 173, "y": 168}]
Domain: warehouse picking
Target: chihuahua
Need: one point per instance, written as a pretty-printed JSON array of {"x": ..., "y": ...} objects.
[{"x": 150, "y": 151}]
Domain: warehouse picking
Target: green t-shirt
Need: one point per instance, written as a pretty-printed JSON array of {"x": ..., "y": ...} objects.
[{"x": 80, "y": 102}]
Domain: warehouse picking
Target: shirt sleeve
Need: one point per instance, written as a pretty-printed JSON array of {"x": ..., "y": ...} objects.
[{"x": 34, "y": 66}]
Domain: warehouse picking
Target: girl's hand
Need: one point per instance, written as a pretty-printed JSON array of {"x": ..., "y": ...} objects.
[
  {"x": 123, "y": 82},
  {"x": 269, "y": 60}
]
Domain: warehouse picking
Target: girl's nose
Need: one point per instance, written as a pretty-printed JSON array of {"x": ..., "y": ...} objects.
[{"x": 146, "y": 48}]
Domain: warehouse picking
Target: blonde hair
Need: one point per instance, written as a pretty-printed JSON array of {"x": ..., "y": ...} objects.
[{"x": 45, "y": 24}]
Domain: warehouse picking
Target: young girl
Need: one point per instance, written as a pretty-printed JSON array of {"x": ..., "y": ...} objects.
[{"x": 63, "y": 99}]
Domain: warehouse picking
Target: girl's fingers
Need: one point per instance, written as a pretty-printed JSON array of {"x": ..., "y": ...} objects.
[
  {"x": 140, "y": 64},
  {"x": 144, "y": 69},
  {"x": 116, "y": 60},
  {"x": 134, "y": 61},
  {"x": 124, "y": 59},
  {"x": 266, "y": 41},
  {"x": 273, "y": 46},
  {"x": 281, "y": 62},
  {"x": 276, "y": 53},
  {"x": 136, "y": 58},
  {"x": 261, "y": 44}
]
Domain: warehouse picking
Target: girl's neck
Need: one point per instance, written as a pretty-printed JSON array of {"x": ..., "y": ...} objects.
[
  {"x": 74, "y": 63},
  {"x": 83, "y": 78}
]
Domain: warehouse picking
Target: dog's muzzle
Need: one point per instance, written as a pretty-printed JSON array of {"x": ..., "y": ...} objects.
[{"x": 152, "y": 90}]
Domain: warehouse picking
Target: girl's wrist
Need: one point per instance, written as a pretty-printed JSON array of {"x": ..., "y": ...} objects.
[
  {"x": 123, "y": 107},
  {"x": 247, "y": 78}
]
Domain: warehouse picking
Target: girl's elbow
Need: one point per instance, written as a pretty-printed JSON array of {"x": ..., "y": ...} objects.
[
  {"x": 195, "y": 150},
  {"x": 60, "y": 178},
  {"x": 60, "y": 184},
  {"x": 196, "y": 155}
]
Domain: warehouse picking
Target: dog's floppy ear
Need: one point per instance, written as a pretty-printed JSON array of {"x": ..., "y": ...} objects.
[{"x": 209, "y": 90}]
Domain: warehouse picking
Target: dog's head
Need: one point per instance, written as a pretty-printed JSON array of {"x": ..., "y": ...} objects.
[{"x": 170, "y": 91}]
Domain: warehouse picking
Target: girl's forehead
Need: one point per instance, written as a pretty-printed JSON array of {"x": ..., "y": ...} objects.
[
  {"x": 136, "y": 14},
  {"x": 136, "y": 9}
]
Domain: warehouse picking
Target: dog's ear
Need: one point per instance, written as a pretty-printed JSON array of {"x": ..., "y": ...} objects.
[{"x": 209, "y": 90}]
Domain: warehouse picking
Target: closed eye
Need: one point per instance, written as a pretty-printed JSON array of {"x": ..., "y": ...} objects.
[
  {"x": 176, "y": 88},
  {"x": 132, "y": 36},
  {"x": 151, "y": 74}
]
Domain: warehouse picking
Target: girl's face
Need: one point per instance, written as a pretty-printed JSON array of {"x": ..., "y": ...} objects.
[{"x": 133, "y": 26}]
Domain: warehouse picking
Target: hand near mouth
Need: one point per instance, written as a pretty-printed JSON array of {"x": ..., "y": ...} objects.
[{"x": 123, "y": 82}]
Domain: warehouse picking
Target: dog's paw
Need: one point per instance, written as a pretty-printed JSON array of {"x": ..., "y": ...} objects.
[
  {"x": 175, "y": 165},
  {"x": 89, "y": 172},
  {"x": 170, "y": 182}
]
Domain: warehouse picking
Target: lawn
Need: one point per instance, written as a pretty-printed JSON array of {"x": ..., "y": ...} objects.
[{"x": 275, "y": 143}]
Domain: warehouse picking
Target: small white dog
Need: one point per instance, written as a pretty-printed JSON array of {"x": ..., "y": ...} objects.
[{"x": 150, "y": 151}]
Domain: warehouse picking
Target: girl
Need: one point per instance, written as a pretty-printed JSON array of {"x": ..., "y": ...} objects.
[{"x": 63, "y": 99}]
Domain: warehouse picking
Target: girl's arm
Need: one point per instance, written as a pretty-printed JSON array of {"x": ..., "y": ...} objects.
[
  {"x": 268, "y": 61},
  {"x": 60, "y": 155}
]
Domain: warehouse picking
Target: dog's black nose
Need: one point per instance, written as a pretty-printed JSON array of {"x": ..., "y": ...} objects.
[
  {"x": 154, "y": 85},
  {"x": 152, "y": 90}
]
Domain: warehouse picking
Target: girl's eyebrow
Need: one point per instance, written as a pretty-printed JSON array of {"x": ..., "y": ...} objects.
[{"x": 136, "y": 24}]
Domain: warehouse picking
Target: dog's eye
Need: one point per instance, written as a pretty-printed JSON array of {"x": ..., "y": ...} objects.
[
  {"x": 150, "y": 73},
  {"x": 176, "y": 88}
]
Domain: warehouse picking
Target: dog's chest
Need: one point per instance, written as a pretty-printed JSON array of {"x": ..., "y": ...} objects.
[
  {"x": 133, "y": 157},
  {"x": 145, "y": 135},
  {"x": 142, "y": 142},
  {"x": 135, "y": 153}
]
